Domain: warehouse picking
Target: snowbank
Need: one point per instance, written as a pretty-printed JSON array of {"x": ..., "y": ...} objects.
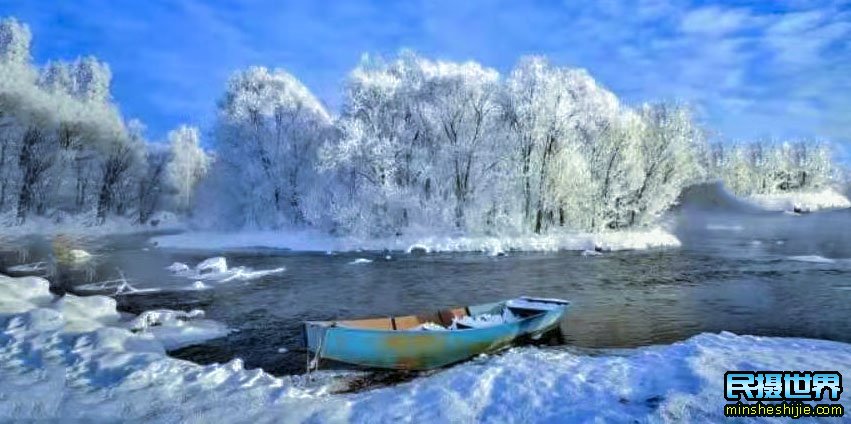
[
  {"x": 86, "y": 224},
  {"x": 309, "y": 241},
  {"x": 317, "y": 242},
  {"x": 111, "y": 374},
  {"x": 825, "y": 199}
]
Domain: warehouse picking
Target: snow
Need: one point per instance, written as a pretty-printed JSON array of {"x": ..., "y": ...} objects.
[
  {"x": 215, "y": 265},
  {"x": 199, "y": 285},
  {"x": 540, "y": 304},
  {"x": 485, "y": 320},
  {"x": 812, "y": 258},
  {"x": 109, "y": 373},
  {"x": 360, "y": 261},
  {"x": 216, "y": 269},
  {"x": 804, "y": 201},
  {"x": 214, "y": 240},
  {"x": 724, "y": 227},
  {"x": 177, "y": 267},
  {"x": 35, "y": 267},
  {"x": 111, "y": 287},
  {"x": 85, "y": 224},
  {"x": 317, "y": 242},
  {"x": 176, "y": 329}
]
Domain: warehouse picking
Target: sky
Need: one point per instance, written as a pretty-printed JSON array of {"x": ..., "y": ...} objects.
[{"x": 750, "y": 69}]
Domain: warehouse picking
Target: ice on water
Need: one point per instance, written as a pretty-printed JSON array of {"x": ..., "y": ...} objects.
[{"x": 216, "y": 269}]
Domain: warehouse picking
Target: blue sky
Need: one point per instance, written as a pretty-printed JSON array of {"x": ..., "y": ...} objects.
[{"x": 751, "y": 69}]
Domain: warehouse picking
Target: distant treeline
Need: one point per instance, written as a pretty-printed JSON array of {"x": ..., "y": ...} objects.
[
  {"x": 65, "y": 149},
  {"x": 418, "y": 145}
]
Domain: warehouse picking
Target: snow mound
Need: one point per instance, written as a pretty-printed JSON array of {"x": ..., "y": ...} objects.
[
  {"x": 808, "y": 202},
  {"x": 318, "y": 242},
  {"x": 112, "y": 374},
  {"x": 23, "y": 293},
  {"x": 216, "y": 269},
  {"x": 176, "y": 329}
]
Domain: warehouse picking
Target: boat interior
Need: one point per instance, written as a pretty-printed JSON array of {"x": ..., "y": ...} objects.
[
  {"x": 443, "y": 318},
  {"x": 406, "y": 322}
]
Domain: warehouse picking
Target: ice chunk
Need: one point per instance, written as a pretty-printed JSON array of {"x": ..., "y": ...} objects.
[
  {"x": 176, "y": 329},
  {"x": 360, "y": 261},
  {"x": 79, "y": 255},
  {"x": 216, "y": 269},
  {"x": 178, "y": 267},
  {"x": 217, "y": 265},
  {"x": 812, "y": 258},
  {"x": 31, "y": 268},
  {"x": 199, "y": 285}
]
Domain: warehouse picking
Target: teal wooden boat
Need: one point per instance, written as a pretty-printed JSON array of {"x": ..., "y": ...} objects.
[{"x": 426, "y": 341}]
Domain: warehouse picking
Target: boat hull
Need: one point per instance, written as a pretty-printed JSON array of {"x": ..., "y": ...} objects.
[{"x": 418, "y": 349}]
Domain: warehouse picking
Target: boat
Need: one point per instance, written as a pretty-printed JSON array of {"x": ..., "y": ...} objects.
[{"x": 432, "y": 340}]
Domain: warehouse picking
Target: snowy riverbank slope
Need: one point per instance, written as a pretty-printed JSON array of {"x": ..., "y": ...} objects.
[
  {"x": 825, "y": 199},
  {"x": 318, "y": 242},
  {"x": 86, "y": 225},
  {"x": 59, "y": 362}
]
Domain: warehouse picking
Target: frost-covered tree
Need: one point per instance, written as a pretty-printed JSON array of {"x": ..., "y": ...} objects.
[
  {"x": 420, "y": 145},
  {"x": 15, "y": 38},
  {"x": 765, "y": 167},
  {"x": 153, "y": 183},
  {"x": 268, "y": 130},
  {"x": 669, "y": 146},
  {"x": 188, "y": 163},
  {"x": 65, "y": 147},
  {"x": 556, "y": 114}
]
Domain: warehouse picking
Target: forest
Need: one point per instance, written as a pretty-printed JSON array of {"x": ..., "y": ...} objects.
[{"x": 418, "y": 145}]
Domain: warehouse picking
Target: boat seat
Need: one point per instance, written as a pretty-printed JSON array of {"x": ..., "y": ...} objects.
[
  {"x": 372, "y": 323},
  {"x": 410, "y": 321}
]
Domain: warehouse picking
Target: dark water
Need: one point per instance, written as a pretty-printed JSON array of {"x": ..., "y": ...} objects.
[{"x": 734, "y": 272}]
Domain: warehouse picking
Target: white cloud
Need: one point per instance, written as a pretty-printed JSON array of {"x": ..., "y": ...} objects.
[{"x": 714, "y": 21}]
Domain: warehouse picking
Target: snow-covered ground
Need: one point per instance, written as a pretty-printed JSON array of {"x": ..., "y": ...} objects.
[
  {"x": 825, "y": 199},
  {"x": 74, "y": 360},
  {"x": 85, "y": 224},
  {"x": 317, "y": 242}
]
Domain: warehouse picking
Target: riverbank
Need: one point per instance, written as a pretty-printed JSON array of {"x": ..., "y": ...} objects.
[
  {"x": 77, "y": 364},
  {"x": 319, "y": 242}
]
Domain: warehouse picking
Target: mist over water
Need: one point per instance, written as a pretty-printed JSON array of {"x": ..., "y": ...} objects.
[{"x": 738, "y": 270}]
